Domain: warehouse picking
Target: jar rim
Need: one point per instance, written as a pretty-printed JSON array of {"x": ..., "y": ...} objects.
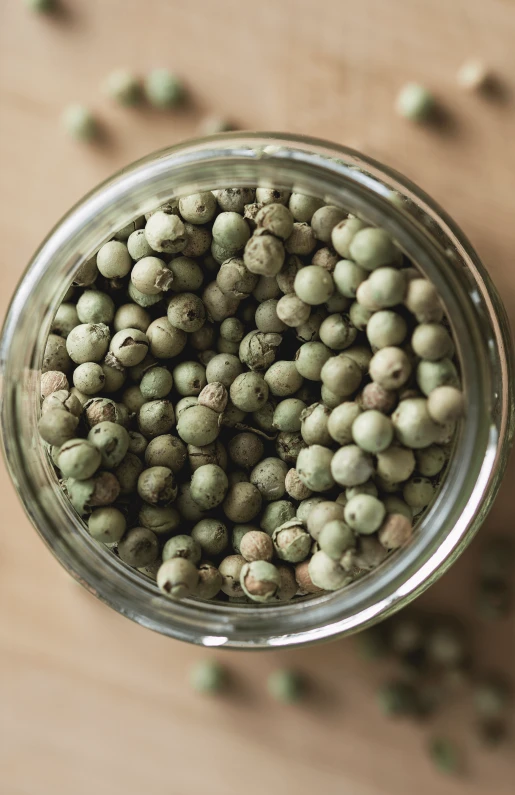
[{"x": 337, "y": 174}]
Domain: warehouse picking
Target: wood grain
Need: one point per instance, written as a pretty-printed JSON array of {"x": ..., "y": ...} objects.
[{"x": 89, "y": 701}]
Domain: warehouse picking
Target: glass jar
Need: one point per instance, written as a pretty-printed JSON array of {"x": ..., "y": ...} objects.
[{"x": 427, "y": 235}]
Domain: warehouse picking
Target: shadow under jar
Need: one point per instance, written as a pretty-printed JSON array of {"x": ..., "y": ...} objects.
[{"x": 429, "y": 238}]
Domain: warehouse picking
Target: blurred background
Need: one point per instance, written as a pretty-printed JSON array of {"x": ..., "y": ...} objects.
[{"x": 89, "y": 701}]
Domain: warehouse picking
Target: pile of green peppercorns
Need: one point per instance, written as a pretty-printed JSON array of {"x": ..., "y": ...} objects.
[{"x": 250, "y": 393}]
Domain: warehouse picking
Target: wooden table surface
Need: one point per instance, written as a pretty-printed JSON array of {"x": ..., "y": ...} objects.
[{"x": 89, "y": 702}]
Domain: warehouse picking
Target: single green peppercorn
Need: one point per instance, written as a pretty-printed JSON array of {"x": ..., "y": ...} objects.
[
  {"x": 163, "y": 89},
  {"x": 208, "y": 676},
  {"x": 415, "y": 102},
  {"x": 260, "y": 580},
  {"x": 107, "y": 525},
  {"x": 209, "y": 486},
  {"x": 444, "y": 754},
  {"x": 122, "y": 86},
  {"x": 286, "y": 686},
  {"x": 138, "y": 547},
  {"x": 182, "y": 546},
  {"x": 177, "y": 578},
  {"x": 80, "y": 123}
]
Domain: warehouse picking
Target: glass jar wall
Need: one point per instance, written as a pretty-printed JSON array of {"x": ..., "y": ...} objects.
[{"x": 425, "y": 234}]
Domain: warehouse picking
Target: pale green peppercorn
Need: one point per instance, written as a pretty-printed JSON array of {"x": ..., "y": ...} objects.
[
  {"x": 431, "y": 375},
  {"x": 351, "y": 466},
  {"x": 122, "y": 86},
  {"x": 223, "y": 368},
  {"x": 260, "y": 580},
  {"x": 80, "y": 123},
  {"x": 285, "y": 686},
  {"x": 161, "y": 520},
  {"x": 283, "y": 379},
  {"x": 415, "y": 102},
  {"x": 275, "y": 219},
  {"x": 431, "y": 341},
  {"x": 423, "y": 301},
  {"x": 387, "y": 286},
  {"x": 157, "y": 486},
  {"x": 87, "y": 342},
  {"x": 364, "y": 513},
  {"x": 113, "y": 260},
  {"x": 186, "y": 311},
  {"x": 138, "y": 547},
  {"x": 156, "y": 383},
  {"x": 57, "y": 426},
  {"x": 418, "y": 492},
  {"x": 209, "y": 486},
  {"x": 189, "y": 378},
  {"x": 66, "y": 318},
  {"x": 230, "y": 231},
  {"x": 341, "y": 375},
  {"x": 287, "y": 414},
  {"x": 163, "y": 89},
  {"x": 198, "y": 425},
  {"x": 348, "y": 276},
  {"x": 242, "y": 502},
  {"x": 99, "y": 409},
  {"x": 155, "y": 418},
  {"x": 314, "y": 425},
  {"x": 359, "y": 315},
  {"x": 137, "y": 245},
  {"x": 324, "y": 221},
  {"x": 187, "y": 274},
  {"x": 396, "y": 464},
  {"x": 372, "y": 248},
  {"x": 292, "y": 311},
  {"x": 337, "y": 332},
  {"x": 390, "y": 367},
  {"x": 314, "y": 285},
  {"x": 132, "y": 399},
  {"x": 198, "y": 208},
  {"x": 208, "y": 676},
  {"x": 264, "y": 255},
  {"x": 276, "y": 514},
  {"x": 177, "y": 578},
  {"x": 89, "y": 378},
  {"x": 209, "y": 581},
  {"x": 165, "y": 233},
  {"x": 386, "y": 329},
  {"x": 78, "y": 459},
  {"x": 336, "y": 538},
  {"x": 182, "y": 546},
  {"x": 372, "y": 431},
  {"x": 111, "y": 440},
  {"x": 314, "y": 467},
  {"x": 62, "y": 399},
  {"x": 340, "y": 421},
  {"x": 166, "y": 342},
  {"x": 234, "y": 199},
  {"x": 302, "y": 206},
  {"x": 128, "y": 472},
  {"x": 249, "y": 391},
  {"x": 107, "y": 525},
  {"x": 268, "y": 476},
  {"x": 327, "y": 573},
  {"x": 291, "y": 541},
  {"x": 139, "y": 298},
  {"x": 294, "y": 486},
  {"x": 102, "y": 489},
  {"x": 232, "y": 329},
  {"x": 413, "y": 424},
  {"x": 230, "y": 569},
  {"x": 266, "y": 317},
  {"x": 431, "y": 460},
  {"x": 310, "y": 359},
  {"x": 219, "y": 305}
]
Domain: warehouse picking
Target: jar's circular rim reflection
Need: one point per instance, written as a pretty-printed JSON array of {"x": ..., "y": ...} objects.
[{"x": 312, "y": 162}]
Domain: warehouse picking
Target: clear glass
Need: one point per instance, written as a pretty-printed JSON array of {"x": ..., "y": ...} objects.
[{"x": 424, "y": 232}]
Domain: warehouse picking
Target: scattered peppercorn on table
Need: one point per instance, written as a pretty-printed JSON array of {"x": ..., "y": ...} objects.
[{"x": 78, "y": 679}]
